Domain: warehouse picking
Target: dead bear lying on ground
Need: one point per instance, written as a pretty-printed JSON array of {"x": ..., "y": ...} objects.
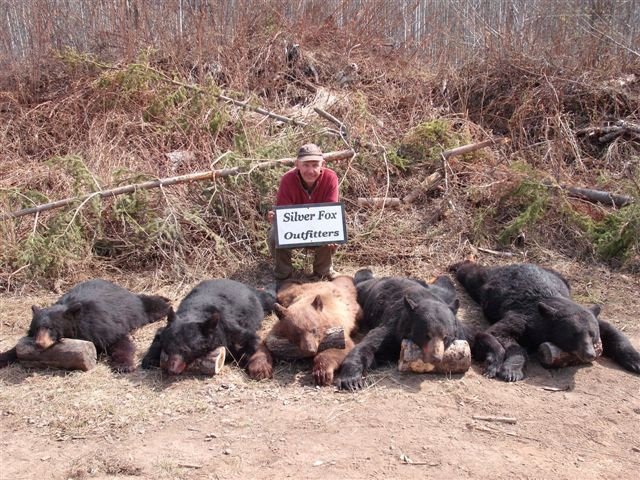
[
  {"x": 98, "y": 311},
  {"x": 215, "y": 313},
  {"x": 398, "y": 308},
  {"x": 305, "y": 312},
  {"x": 528, "y": 305}
]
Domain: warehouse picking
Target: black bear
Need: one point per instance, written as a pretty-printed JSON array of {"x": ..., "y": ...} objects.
[
  {"x": 397, "y": 308},
  {"x": 215, "y": 313},
  {"x": 528, "y": 305},
  {"x": 98, "y": 311}
]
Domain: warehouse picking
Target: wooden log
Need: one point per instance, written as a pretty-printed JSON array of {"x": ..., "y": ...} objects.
[
  {"x": 428, "y": 184},
  {"x": 210, "y": 364},
  {"x": 550, "y": 356},
  {"x": 164, "y": 182},
  {"x": 472, "y": 147},
  {"x": 283, "y": 348},
  {"x": 67, "y": 354},
  {"x": 598, "y": 196},
  {"x": 379, "y": 202},
  {"x": 456, "y": 359}
]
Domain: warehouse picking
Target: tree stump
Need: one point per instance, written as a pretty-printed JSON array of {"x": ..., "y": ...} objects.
[
  {"x": 456, "y": 359},
  {"x": 550, "y": 356},
  {"x": 67, "y": 354},
  {"x": 283, "y": 348}
]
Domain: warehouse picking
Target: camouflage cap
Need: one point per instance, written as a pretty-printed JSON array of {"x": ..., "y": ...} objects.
[{"x": 310, "y": 153}]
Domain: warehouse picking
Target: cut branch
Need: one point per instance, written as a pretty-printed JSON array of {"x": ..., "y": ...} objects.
[
  {"x": 598, "y": 196},
  {"x": 610, "y": 132},
  {"x": 191, "y": 177},
  {"x": 428, "y": 184},
  {"x": 472, "y": 147},
  {"x": 432, "y": 181},
  {"x": 67, "y": 354},
  {"x": 283, "y": 348},
  {"x": 379, "y": 202}
]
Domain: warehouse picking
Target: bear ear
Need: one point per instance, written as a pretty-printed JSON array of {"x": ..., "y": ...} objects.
[
  {"x": 73, "y": 308},
  {"x": 546, "y": 310},
  {"x": 171, "y": 316},
  {"x": 35, "y": 310},
  {"x": 454, "y": 306},
  {"x": 595, "y": 309},
  {"x": 317, "y": 303},
  {"x": 279, "y": 309},
  {"x": 412, "y": 305}
]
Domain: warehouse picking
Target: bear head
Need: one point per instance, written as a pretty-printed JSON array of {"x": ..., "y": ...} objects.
[
  {"x": 50, "y": 324},
  {"x": 572, "y": 327},
  {"x": 186, "y": 339},
  {"x": 433, "y": 324},
  {"x": 303, "y": 323}
]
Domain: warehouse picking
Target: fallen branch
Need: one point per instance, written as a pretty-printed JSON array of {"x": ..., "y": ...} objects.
[
  {"x": 509, "y": 420},
  {"x": 428, "y": 184},
  {"x": 598, "y": 196},
  {"x": 494, "y": 252},
  {"x": 341, "y": 126},
  {"x": 227, "y": 99},
  {"x": 379, "y": 202},
  {"x": 191, "y": 177},
  {"x": 610, "y": 132},
  {"x": 433, "y": 180},
  {"x": 472, "y": 147}
]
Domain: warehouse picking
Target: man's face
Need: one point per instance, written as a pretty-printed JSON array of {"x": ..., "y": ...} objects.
[{"x": 310, "y": 170}]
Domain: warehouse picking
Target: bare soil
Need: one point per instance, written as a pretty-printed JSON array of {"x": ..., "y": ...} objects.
[{"x": 576, "y": 422}]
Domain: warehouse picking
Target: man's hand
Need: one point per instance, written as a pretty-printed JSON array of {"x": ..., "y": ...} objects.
[{"x": 271, "y": 215}]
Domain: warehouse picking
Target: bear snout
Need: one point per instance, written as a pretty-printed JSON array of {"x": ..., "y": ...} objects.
[
  {"x": 309, "y": 345},
  {"x": 587, "y": 353},
  {"x": 433, "y": 351},
  {"x": 43, "y": 339},
  {"x": 172, "y": 364}
]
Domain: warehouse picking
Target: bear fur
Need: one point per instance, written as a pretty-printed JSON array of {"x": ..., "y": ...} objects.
[
  {"x": 216, "y": 313},
  {"x": 305, "y": 312},
  {"x": 98, "y": 311},
  {"x": 528, "y": 305},
  {"x": 395, "y": 309}
]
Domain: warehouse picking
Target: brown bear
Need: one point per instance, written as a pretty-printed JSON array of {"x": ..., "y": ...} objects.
[{"x": 305, "y": 312}]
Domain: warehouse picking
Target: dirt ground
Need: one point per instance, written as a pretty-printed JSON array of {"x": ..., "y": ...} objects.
[{"x": 577, "y": 422}]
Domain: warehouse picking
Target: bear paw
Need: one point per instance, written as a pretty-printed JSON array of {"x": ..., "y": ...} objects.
[
  {"x": 491, "y": 370},
  {"x": 259, "y": 370},
  {"x": 123, "y": 367},
  {"x": 322, "y": 373},
  {"x": 630, "y": 361},
  {"x": 350, "y": 378},
  {"x": 509, "y": 374}
]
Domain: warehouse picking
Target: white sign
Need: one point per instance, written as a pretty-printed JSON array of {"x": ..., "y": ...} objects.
[{"x": 310, "y": 225}]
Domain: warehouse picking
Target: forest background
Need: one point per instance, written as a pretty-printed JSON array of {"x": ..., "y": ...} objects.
[{"x": 96, "y": 95}]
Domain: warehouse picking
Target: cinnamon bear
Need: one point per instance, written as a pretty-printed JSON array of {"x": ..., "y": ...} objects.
[{"x": 305, "y": 312}]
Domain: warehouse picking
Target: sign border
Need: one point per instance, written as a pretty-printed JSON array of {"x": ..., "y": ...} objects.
[{"x": 313, "y": 244}]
